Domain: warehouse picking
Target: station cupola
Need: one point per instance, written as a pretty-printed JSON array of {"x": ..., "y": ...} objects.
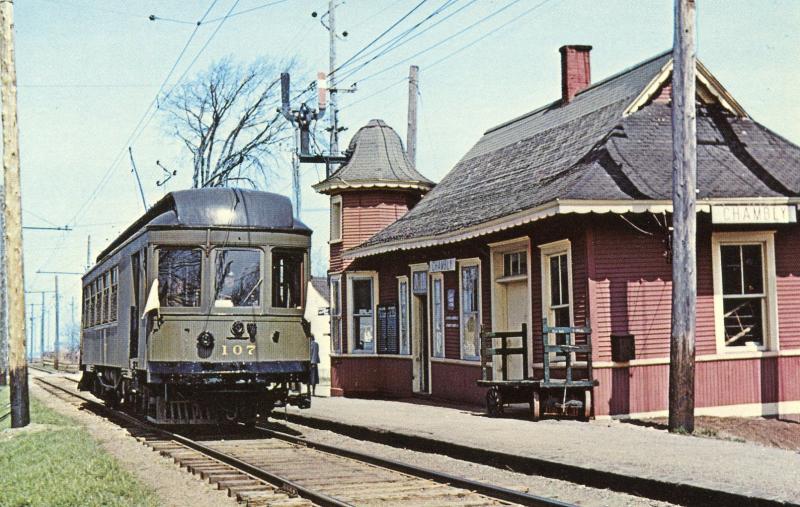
[{"x": 375, "y": 186}]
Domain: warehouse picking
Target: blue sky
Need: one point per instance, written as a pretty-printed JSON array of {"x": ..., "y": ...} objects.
[{"x": 88, "y": 70}]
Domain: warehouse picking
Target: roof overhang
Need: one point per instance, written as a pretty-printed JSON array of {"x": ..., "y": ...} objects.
[
  {"x": 329, "y": 187},
  {"x": 711, "y": 90},
  {"x": 552, "y": 208}
]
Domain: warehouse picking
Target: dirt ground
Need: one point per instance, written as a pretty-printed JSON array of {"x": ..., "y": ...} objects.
[
  {"x": 175, "y": 488},
  {"x": 779, "y": 433}
]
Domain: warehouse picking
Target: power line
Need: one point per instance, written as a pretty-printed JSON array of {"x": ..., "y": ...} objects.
[
  {"x": 449, "y": 55},
  {"x": 376, "y": 39},
  {"x": 447, "y": 39},
  {"x": 402, "y": 38}
]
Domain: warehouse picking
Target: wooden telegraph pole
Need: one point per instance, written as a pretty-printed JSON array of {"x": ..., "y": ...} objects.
[
  {"x": 12, "y": 261},
  {"x": 684, "y": 184},
  {"x": 411, "y": 131},
  {"x": 57, "y": 344}
]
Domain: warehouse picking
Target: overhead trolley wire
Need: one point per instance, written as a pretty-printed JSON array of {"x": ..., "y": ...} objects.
[
  {"x": 449, "y": 55},
  {"x": 139, "y": 125},
  {"x": 399, "y": 41}
]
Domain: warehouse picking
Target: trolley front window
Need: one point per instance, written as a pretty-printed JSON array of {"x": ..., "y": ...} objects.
[
  {"x": 179, "y": 272},
  {"x": 237, "y": 277},
  {"x": 287, "y": 276}
]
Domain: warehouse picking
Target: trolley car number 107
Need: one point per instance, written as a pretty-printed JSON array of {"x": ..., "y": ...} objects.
[{"x": 238, "y": 350}]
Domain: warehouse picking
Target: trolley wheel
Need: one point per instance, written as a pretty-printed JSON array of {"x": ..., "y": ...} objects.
[
  {"x": 494, "y": 402},
  {"x": 587, "y": 404},
  {"x": 536, "y": 406}
]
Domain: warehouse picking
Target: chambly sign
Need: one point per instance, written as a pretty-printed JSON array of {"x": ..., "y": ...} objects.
[{"x": 754, "y": 214}]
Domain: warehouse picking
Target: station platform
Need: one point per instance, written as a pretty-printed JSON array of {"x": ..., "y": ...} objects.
[{"x": 606, "y": 454}]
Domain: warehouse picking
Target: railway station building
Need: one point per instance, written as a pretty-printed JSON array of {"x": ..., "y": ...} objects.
[{"x": 563, "y": 214}]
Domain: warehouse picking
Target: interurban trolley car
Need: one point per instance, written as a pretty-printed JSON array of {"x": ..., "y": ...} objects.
[{"x": 194, "y": 314}]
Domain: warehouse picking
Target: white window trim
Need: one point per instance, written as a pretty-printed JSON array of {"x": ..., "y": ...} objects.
[
  {"x": 351, "y": 275},
  {"x": 767, "y": 240},
  {"x": 548, "y": 250},
  {"x": 338, "y": 279},
  {"x": 436, "y": 276},
  {"x": 337, "y": 199},
  {"x": 499, "y": 248},
  {"x": 462, "y": 263},
  {"x": 401, "y": 279}
]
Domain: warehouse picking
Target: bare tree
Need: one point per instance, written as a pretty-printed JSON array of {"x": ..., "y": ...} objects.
[{"x": 226, "y": 118}]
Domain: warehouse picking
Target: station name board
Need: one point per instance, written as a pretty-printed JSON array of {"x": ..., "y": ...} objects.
[
  {"x": 754, "y": 214},
  {"x": 443, "y": 265}
]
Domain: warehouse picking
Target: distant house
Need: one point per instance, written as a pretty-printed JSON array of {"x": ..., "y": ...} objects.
[
  {"x": 318, "y": 314},
  {"x": 563, "y": 214}
]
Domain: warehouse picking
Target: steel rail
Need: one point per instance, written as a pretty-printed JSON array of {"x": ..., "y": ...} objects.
[
  {"x": 496, "y": 492},
  {"x": 275, "y": 480}
]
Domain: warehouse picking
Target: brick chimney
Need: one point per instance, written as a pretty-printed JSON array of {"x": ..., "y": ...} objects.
[{"x": 576, "y": 72}]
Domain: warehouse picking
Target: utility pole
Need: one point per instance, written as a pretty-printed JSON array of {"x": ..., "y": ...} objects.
[
  {"x": 3, "y": 302},
  {"x": 41, "y": 337},
  {"x": 12, "y": 227},
  {"x": 88, "y": 252},
  {"x": 684, "y": 221},
  {"x": 411, "y": 131},
  {"x": 58, "y": 329},
  {"x": 334, "y": 124}
]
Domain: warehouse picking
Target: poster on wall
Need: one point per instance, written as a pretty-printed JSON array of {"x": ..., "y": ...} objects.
[{"x": 451, "y": 299}]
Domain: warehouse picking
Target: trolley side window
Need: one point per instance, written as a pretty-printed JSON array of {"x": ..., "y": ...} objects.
[
  {"x": 179, "y": 277},
  {"x": 237, "y": 277},
  {"x": 287, "y": 276}
]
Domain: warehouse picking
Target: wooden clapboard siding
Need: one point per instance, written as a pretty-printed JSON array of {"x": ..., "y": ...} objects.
[
  {"x": 787, "y": 270},
  {"x": 633, "y": 284},
  {"x": 456, "y": 382},
  {"x": 364, "y": 214}
]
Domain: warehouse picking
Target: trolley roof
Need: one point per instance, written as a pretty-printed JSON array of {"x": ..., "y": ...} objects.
[{"x": 215, "y": 207}]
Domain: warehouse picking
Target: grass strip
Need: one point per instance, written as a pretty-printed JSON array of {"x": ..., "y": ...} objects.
[{"x": 54, "y": 462}]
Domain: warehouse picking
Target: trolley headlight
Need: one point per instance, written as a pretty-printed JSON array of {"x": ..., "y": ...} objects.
[
  {"x": 237, "y": 329},
  {"x": 205, "y": 339}
]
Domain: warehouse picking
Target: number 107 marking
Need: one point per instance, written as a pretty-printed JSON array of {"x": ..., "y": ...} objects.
[{"x": 238, "y": 350}]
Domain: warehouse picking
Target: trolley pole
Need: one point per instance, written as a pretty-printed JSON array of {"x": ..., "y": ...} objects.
[
  {"x": 58, "y": 329},
  {"x": 684, "y": 221},
  {"x": 12, "y": 227}
]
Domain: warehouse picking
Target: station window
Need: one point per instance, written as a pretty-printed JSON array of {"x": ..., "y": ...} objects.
[
  {"x": 363, "y": 313},
  {"x": 470, "y": 310},
  {"x": 744, "y": 278},
  {"x": 402, "y": 307},
  {"x": 179, "y": 277},
  {"x": 336, "y": 218},
  {"x": 515, "y": 263},
  {"x": 336, "y": 314},
  {"x": 556, "y": 289},
  {"x": 437, "y": 310},
  {"x": 287, "y": 277},
  {"x": 237, "y": 277}
]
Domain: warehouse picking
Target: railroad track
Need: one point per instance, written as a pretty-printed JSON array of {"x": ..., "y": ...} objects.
[{"x": 284, "y": 470}]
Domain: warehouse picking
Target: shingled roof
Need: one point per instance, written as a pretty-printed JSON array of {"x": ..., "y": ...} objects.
[
  {"x": 596, "y": 148},
  {"x": 376, "y": 158}
]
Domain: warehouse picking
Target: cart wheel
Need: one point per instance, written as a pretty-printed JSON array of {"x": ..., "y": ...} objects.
[
  {"x": 587, "y": 404},
  {"x": 494, "y": 402},
  {"x": 536, "y": 406}
]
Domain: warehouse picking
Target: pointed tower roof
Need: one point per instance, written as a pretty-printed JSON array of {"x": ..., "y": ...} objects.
[{"x": 375, "y": 159}]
